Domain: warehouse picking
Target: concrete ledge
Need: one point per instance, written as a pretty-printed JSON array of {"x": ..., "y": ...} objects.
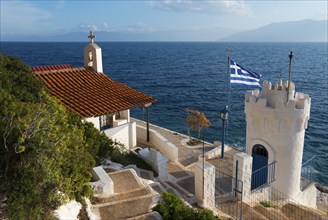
[
  {"x": 68, "y": 211},
  {"x": 308, "y": 197},
  {"x": 152, "y": 215},
  {"x": 210, "y": 154},
  {"x": 160, "y": 142},
  {"x": 111, "y": 165},
  {"x": 156, "y": 160},
  {"x": 104, "y": 185}
]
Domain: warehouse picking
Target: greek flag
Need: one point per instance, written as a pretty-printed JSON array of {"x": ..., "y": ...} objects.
[{"x": 240, "y": 76}]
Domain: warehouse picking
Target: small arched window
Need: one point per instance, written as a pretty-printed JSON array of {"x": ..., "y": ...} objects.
[
  {"x": 260, "y": 150},
  {"x": 90, "y": 63}
]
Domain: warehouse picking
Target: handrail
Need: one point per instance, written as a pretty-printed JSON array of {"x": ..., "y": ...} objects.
[
  {"x": 307, "y": 171},
  {"x": 309, "y": 160},
  {"x": 263, "y": 176}
]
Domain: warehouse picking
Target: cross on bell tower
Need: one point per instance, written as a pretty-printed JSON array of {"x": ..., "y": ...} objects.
[
  {"x": 92, "y": 55},
  {"x": 91, "y": 36}
]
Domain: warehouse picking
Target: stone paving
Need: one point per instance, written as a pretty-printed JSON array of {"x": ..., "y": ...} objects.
[
  {"x": 187, "y": 154},
  {"x": 182, "y": 181}
]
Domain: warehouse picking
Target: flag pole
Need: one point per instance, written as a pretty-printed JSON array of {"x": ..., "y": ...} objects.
[
  {"x": 229, "y": 84},
  {"x": 289, "y": 73},
  {"x": 224, "y": 112}
]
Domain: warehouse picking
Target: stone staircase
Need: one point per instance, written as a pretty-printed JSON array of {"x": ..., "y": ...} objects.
[
  {"x": 132, "y": 197},
  {"x": 126, "y": 208}
]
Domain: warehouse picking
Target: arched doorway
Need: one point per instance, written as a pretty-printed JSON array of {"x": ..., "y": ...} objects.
[{"x": 260, "y": 162}]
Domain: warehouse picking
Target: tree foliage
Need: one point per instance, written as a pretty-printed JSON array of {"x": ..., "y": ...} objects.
[
  {"x": 195, "y": 121},
  {"x": 172, "y": 207},
  {"x": 16, "y": 79},
  {"x": 46, "y": 151}
]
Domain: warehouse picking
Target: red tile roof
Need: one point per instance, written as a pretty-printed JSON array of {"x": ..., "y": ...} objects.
[
  {"x": 87, "y": 92},
  {"x": 48, "y": 68}
]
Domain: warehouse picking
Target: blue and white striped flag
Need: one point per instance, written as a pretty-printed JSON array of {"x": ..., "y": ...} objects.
[{"x": 241, "y": 76}]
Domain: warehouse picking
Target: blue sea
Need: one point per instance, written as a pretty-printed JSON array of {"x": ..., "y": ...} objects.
[{"x": 194, "y": 75}]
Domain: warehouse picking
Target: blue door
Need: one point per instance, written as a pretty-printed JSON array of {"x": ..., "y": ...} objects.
[{"x": 260, "y": 166}]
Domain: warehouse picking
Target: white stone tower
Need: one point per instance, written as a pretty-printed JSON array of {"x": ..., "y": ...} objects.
[
  {"x": 92, "y": 55},
  {"x": 275, "y": 128}
]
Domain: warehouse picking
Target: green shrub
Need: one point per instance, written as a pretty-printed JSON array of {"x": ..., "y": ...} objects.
[
  {"x": 268, "y": 204},
  {"x": 99, "y": 144},
  {"x": 194, "y": 142},
  {"x": 16, "y": 78},
  {"x": 172, "y": 207},
  {"x": 129, "y": 158}
]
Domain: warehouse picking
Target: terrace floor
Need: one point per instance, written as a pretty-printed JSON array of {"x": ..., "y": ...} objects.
[
  {"x": 188, "y": 155},
  {"x": 182, "y": 172}
]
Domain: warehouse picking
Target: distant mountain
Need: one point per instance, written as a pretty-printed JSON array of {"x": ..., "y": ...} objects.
[
  {"x": 292, "y": 31},
  {"x": 210, "y": 34}
]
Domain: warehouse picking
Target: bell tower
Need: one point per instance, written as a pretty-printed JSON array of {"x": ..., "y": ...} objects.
[
  {"x": 275, "y": 132},
  {"x": 92, "y": 55}
]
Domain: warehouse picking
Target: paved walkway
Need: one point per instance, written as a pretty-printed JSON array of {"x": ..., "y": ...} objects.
[
  {"x": 187, "y": 154},
  {"x": 182, "y": 180}
]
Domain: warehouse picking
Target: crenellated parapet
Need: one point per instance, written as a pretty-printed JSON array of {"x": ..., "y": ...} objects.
[
  {"x": 275, "y": 95},
  {"x": 270, "y": 110}
]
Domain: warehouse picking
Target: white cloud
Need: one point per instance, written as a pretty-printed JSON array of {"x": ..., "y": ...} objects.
[
  {"x": 88, "y": 27},
  {"x": 132, "y": 28},
  {"x": 237, "y": 7},
  {"x": 105, "y": 26},
  {"x": 138, "y": 28},
  {"x": 210, "y": 7}
]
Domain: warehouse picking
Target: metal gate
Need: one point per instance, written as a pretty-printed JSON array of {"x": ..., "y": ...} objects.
[
  {"x": 260, "y": 161},
  {"x": 228, "y": 194}
]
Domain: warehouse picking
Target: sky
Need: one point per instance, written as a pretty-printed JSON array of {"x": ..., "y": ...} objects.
[{"x": 55, "y": 17}]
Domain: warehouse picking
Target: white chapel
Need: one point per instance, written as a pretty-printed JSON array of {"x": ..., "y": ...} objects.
[{"x": 94, "y": 96}]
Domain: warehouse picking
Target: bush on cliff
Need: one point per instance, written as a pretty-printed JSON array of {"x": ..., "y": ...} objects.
[
  {"x": 46, "y": 152},
  {"x": 172, "y": 207}
]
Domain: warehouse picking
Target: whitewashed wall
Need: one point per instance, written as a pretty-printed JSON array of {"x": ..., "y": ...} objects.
[
  {"x": 95, "y": 121},
  {"x": 104, "y": 185},
  {"x": 163, "y": 145},
  {"x": 157, "y": 161},
  {"x": 126, "y": 114},
  {"x": 125, "y": 134},
  {"x": 308, "y": 196}
]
